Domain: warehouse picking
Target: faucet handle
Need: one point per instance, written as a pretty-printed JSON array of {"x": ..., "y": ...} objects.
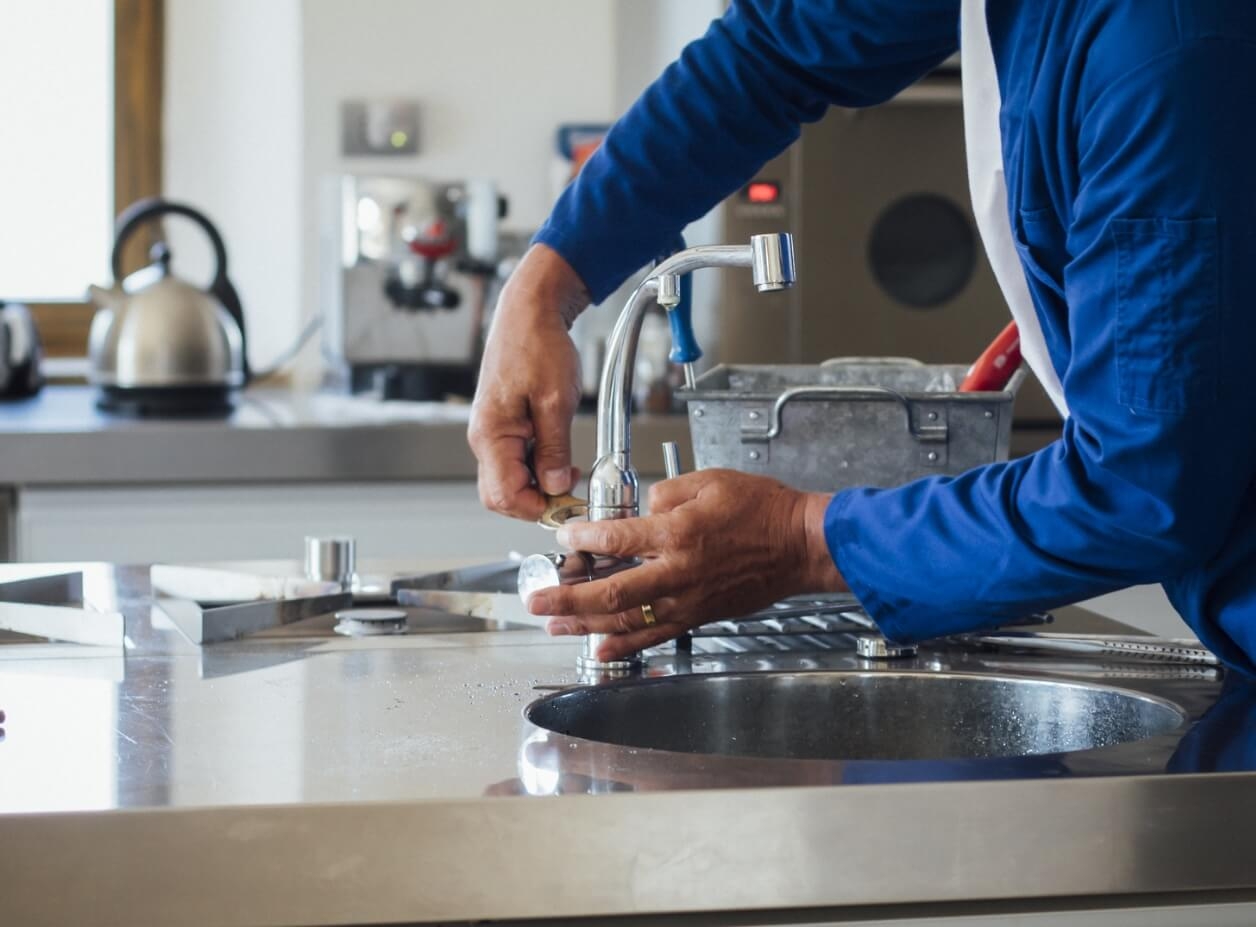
[
  {"x": 685, "y": 348},
  {"x": 675, "y": 294}
]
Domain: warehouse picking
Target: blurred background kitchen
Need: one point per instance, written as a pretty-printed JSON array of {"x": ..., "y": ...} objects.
[{"x": 343, "y": 188}]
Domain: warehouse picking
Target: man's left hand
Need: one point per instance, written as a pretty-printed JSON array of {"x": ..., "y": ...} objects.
[{"x": 717, "y": 544}]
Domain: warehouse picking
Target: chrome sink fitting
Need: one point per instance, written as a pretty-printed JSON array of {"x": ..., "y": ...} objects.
[{"x": 613, "y": 484}]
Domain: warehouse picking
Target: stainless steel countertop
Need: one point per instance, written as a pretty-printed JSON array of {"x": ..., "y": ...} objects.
[
  {"x": 298, "y": 778},
  {"x": 59, "y": 438}
]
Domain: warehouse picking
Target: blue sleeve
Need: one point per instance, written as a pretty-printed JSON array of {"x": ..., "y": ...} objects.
[
  {"x": 1159, "y": 451},
  {"x": 734, "y": 100}
]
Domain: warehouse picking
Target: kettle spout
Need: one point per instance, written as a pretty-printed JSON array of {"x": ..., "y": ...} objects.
[{"x": 104, "y": 299}]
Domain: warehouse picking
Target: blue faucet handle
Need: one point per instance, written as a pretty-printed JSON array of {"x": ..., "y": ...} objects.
[{"x": 685, "y": 348}]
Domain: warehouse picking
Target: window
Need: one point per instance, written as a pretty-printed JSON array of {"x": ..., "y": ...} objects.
[
  {"x": 55, "y": 164},
  {"x": 81, "y": 129}
]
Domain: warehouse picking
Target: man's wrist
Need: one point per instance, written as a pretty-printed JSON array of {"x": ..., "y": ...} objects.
[
  {"x": 553, "y": 282},
  {"x": 819, "y": 572}
]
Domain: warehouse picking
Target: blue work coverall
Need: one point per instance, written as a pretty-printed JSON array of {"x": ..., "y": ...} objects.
[{"x": 1129, "y": 139}]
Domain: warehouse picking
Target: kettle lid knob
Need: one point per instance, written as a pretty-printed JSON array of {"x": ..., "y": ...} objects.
[{"x": 159, "y": 255}]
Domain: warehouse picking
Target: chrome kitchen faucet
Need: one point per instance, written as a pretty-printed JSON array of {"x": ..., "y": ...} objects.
[
  {"x": 613, "y": 484},
  {"x": 614, "y": 491}
]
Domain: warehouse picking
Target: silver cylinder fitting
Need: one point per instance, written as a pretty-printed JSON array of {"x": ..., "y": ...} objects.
[
  {"x": 772, "y": 261},
  {"x": 671, "y": 459},
  {"x": 331, "y": 560}
]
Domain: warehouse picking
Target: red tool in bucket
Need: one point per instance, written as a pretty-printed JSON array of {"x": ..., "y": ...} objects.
[{"x": 997, "y": 363}]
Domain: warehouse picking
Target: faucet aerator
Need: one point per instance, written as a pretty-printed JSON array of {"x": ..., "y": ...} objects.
[{"x": 772, "y": 262}]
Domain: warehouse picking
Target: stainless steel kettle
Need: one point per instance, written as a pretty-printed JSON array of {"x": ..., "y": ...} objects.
[
  {"x": 158, "y": 345},
  {"x": 21, "y": 353}
]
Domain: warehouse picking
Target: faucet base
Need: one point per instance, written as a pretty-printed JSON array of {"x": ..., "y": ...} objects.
[{"x": 593, "y": 669}]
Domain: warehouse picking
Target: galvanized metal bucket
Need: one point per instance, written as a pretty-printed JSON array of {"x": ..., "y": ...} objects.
[{"x": 847, "y": 422}]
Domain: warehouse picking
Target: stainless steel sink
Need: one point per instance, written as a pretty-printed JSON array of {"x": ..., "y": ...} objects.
[{"x": 856, "y": 715}]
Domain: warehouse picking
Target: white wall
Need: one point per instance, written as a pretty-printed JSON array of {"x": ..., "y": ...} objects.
[
  {"x": 493, "y": 81},
  {"x": 649, "y": 35},
  {"x": 252, "y": 112},
  {"x": 233, "y": 149}
]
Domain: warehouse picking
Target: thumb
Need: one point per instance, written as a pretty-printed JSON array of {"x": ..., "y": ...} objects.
[{"x": 552, "y": 450}]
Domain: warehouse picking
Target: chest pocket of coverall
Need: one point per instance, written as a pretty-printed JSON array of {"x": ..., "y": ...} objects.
[{"x": 1168, "y": 313}]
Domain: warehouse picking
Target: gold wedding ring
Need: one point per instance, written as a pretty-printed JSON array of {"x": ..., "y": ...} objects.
[{"x": 647, "y": 612}]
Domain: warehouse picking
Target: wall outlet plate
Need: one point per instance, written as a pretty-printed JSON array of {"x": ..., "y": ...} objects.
[{"x": 379, "y": 128}]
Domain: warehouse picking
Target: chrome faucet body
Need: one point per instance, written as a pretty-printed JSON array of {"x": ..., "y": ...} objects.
[{"x": 614, "y": 490}]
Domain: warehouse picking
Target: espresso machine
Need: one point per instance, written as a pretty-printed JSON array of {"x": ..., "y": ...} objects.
[{"x": 411, "y": 269}]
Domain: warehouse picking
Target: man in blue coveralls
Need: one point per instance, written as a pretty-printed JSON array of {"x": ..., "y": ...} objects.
[{"x": 1111, "y": 149}]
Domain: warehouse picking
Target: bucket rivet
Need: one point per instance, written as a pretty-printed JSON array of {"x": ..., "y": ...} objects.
[
  {"x": 933, "y": 416},
  {"x": 754, "y": 455},
  {"x": 754, "y": 416},
  {"x": 933, "y": 457}
]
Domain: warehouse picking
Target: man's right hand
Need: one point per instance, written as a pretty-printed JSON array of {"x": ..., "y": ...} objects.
[{"x": 529, "y": 387}]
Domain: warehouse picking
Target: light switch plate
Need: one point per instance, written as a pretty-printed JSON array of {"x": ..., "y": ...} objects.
[{"x": 379, "y": 128}]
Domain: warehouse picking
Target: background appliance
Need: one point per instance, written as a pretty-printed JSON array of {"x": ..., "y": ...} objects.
[
  {"x": 411, "y": 269},
  {"x": 21, "y": 353},
  {"x": 158, "y": 345},
  {"x": 890, "y": 260}
]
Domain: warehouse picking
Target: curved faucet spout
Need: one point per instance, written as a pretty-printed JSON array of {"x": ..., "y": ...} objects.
[
  {"x": 771, "y": 260},
  {"x": 613, "y": 484}
]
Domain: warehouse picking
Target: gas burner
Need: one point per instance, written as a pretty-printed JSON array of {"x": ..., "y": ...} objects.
[
  {"x": 212, "y": 623},
  {"x": 367, "y": 622},
  {"x": 214, "y": 603}
]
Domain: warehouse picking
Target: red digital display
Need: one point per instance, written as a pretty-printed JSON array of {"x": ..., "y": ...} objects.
[{"x": 763, "y": 191}]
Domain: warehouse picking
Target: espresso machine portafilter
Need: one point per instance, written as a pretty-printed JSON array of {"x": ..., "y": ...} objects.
[{"x": 411, "y": 269}]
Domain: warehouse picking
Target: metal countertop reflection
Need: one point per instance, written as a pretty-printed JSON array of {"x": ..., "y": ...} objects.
[
  {"x": 335, "y": 780},
  {"x": 60, "y": 438}
]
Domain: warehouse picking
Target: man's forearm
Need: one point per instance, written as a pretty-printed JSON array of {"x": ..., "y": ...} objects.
[{"x": 735, "y": 99}]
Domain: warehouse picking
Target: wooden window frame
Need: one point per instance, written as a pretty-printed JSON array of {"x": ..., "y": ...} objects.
[{"x": 139, "y": 42}]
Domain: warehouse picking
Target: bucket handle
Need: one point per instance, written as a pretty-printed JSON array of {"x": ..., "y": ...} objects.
[{"x": 929, "y": 434}]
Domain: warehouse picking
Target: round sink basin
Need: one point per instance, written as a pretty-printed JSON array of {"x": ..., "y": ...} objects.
[{"x": 856, "y": 716}]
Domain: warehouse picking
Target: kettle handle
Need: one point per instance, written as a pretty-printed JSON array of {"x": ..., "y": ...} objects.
[{"x": 145, "y": 210}]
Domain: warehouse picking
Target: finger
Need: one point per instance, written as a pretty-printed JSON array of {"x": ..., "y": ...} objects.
[
  {"x": 618, "y": 646},
  {"x": 618, "y": 593},
  {"x": 624, "y": 622},
  {"x": 616, "y": 537},
  {"x": 504, "y": 481},
  {"x": 667, "y": 495},
  {"x": 551, "y": 417}
]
